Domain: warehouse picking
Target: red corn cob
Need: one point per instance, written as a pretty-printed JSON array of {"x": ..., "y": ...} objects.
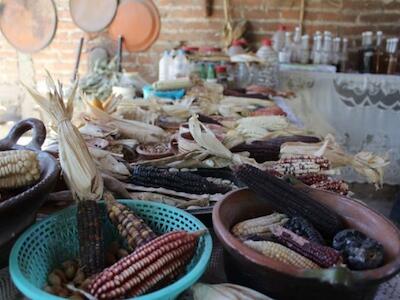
[
  {"x": 313, "y": 178},
  {"x": 321, "y": 255},
  {"x": 337, "y": 186},
  {"x": 161, "y": 259}
]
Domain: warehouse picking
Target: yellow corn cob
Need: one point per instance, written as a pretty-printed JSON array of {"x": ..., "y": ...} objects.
[
  {"x": 282, "y": 254},
  {"x": 18, "y": 168},
  {"x": 259, "y": 226}
]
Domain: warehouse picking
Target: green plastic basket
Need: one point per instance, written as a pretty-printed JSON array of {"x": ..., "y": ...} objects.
[{"x": 54, "y": 240}]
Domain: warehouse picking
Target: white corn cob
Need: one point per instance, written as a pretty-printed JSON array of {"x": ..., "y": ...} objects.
[
  {"x": 259, "y": 226},
  {"x": 282, "y": 254},
  {"x": 18, "y": 168}
]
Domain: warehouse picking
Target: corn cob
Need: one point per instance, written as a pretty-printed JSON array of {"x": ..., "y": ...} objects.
[
  {"x": 310, "y": 179},
  {"x": 303, "y": 228},
  {"x": 135, "y": 274},
  {"x": 301, "y": 165},
  {"x": 132, "y": 228},
  {"x": 259, "y": 226},
  {"x": 324, "y": 182},
  {"x": 323, "y": 256},
  {"x": 337, "y": 186},
  {"x": 18, "y": 168},
  {"x": 282, "y": 254},
  {"x": 269, "y": 150},
  {"x": 149, "y": 176},
  {"x": 289, "y": 200},
  {"x": 91, "y": 245}
]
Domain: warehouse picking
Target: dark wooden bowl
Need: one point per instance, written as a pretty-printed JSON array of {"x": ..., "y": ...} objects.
[
  {"x": 18, "y": 212},
  {"x": 247, "y": 267}
]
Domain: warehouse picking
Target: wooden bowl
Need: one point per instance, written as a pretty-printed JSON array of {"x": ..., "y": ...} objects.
[
  {"x": 19, "y": 211},
  {"x": 280, "y": 281}
]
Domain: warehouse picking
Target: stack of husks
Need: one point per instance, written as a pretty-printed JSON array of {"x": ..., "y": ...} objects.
[{"x": 181, "y": 152}]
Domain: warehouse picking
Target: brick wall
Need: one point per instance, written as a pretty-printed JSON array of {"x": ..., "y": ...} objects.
[{"x": 183, "y": 20}]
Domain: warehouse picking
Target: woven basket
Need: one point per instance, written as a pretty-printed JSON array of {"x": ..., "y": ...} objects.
[{"x": 54, "y": 240}]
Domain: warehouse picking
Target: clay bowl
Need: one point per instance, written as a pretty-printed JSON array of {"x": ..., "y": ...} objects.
[
  {"x": 145, "y": 154},
  {"x": 19, "y": 211},
  {"x": 280, "y": 281}
]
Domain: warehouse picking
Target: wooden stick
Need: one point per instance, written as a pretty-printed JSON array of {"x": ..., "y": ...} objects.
[
  {"x": 302, "y": 6},
  {"x": 119, "y": 53},
  {"x": 77, "y": 59}
]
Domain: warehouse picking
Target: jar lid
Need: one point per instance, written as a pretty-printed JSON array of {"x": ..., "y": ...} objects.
[
  {"x": 267, "y": 42},
  {"x": 236, "y": 43},
  {"x": 190, "y": 49},
  {"x": 220, "y": 69},
  {"x": 282, "y": 27},
  {"x": 209, "y": 49}
]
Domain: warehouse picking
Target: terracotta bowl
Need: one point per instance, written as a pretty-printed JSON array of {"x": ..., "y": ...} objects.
[
  {"x": 280, "y": 281},
  {"x": 19, "y": 211},
  {"x": 147, "y": 155}
]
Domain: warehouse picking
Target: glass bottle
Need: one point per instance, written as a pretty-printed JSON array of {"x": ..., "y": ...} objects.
[
  {"x": 344, "y": 56},
  {"x": 317, "y": 33},
  {"x": 366, "y": 53},
  {"x": 318, "y": 50},
  {"x": 326, "y": 50},
  {"x": 305, "y": 50},
  {"x": 378, "y": 58},
  {"x": 336, "y": 52},
  {"x": 286, "y": 53},
  {"x": 393, "y": 56}
]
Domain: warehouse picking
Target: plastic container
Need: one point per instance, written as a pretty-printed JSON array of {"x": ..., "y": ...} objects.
[
  {"x": 163, "y": 66},
  {"x": 149, "y": 92},
  {"x": 267, "y": 73},
  {"x": 279, "y": 38},
  {"x": 296, "y": 46},
  {"x": 236, "y": 48},
  {"x": 127, "y": 93},
  {"x": 179, "y": 66},
  {"x": 55, "y": 239}
]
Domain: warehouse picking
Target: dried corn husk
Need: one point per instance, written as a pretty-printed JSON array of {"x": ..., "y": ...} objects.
[
  {"x": 238, "y": 106},
  {"x": 206, "y": 139},
  {"x": 365, "y": 163},
  {"x": 97, "y": 130},
  {"x": 164, "y": 191},
  {"x": 258, "y": 128},
  {"x": 107, "y": 163},
  {"x": 182, "y": 83},
  {"x": 144, "y": 133},
  {"x": 194, "y": 159},
  {"x": 160, "y": 198},
  {"x": 79, "y": 169},
  {"x": 225, "y": 291}
]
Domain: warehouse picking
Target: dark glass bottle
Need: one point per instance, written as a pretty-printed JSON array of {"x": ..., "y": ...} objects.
[
  {"x": 393, "y": 56},
  {"x": 344, "y": 56},
  {"x": 378, "y": 58},
  {"x": 366, "y": 53}
]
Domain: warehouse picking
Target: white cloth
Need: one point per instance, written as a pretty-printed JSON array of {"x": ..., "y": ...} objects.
[{"x": 361, "y": 110}]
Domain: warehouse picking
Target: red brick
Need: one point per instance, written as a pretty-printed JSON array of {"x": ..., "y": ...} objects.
[{"x": 183, "y": 20}]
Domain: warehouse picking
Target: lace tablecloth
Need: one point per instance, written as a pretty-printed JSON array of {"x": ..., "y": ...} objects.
[{"x": 362, "y": 110}]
